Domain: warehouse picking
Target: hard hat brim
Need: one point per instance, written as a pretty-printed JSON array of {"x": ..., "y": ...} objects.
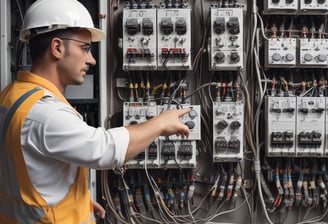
[{"x": 96, "y": 34}]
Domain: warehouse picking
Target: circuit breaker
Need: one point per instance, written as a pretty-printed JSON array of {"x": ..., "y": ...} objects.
[
  {"x": 134, "y": 113},
  {"x": 174, "y": 39},
  {"x": 317, "y": 5},
  {"x": 228, "y": 130},
  {"x": 287, "y": 6},
  {"x": 226, "y": 45},
  {"x": 175, "y": 151},
  {"x": 310, "y": 126},
  {"x": 167, "y": 152},
  {"x": 281, "y": 52},
  {"x": 280, "y": 117},
  {"x": 139, "y": 39},
  {"x": 313, "y": 52}
]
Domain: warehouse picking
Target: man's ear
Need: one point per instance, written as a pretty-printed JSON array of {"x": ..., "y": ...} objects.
[{"x": 57, "y": 48}]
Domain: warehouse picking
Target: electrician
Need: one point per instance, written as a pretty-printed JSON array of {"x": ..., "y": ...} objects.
[{"x": 45, "y": 147}]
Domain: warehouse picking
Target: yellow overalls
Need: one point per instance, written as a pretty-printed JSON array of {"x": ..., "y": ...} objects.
[{"x": 19, "y": 200}]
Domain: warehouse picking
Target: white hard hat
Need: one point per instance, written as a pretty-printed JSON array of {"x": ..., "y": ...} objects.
[{"x": 48, "y": 15}]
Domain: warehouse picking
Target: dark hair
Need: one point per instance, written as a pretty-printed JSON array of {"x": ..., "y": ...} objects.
[{"x": 39, "y": 44}]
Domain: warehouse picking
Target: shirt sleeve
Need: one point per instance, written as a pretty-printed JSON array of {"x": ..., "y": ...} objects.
[{"x": 63, "y": 135}]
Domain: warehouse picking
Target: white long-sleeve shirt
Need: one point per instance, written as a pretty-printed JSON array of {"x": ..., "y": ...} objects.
[{"x": 56, "y": 142}]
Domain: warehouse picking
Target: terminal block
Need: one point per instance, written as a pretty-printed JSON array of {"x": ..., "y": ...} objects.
[
  {"x": 228, "y": 131},
  {"x": 174, "y": 39},
  {"x": 139, "y": 39},
  {"x": 220, "y": 144},
  {"x": 310, "y": 126},
  {"x": 280, "y": 52},
  {"x": 135, "y": 113},
  {"x": 185, "y": 151},
  {"x": 152, "y": 152},
  {"x": 167, "y": 151},
  {"x": 280, "y": 116},
  {"x": 226, "y": 47},
  {"x": 234, "y": 145},
  {"x": 177, "y": 154},
  {"x": 282, "y": 139},
  {"x": 307, "y": 139},
  {"x": 134, "y": 54},
  {"x": 174, "y": 53}
]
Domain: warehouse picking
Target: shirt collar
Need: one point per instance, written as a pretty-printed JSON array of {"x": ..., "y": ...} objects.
[{"x": 25, "y": 76}]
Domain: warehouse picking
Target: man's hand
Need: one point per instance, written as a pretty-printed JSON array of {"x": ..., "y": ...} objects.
[
  {"x": 98, "y": 210},
  {"x": 165, "y": 124},
  {"x": 170, "y": 123}
]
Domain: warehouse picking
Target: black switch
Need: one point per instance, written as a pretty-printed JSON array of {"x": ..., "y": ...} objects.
[
  {"x": 222, "y": 124},
  {"x": 233, "y": 26},
  {"x": 147, "y": 26},
  {"x": 235, "y": 125},
  {"x": 219, "y": 57},
  {"x": 132, "y": 26},
  {"x": 304, "y": 110},
  {"x": 166, "y": 26},
  {"x": 181, "y": 26},
  {"x": 219, "y": 25},
  {"x": 190, "y": 124},
  {"x": 234, "y": 57}
]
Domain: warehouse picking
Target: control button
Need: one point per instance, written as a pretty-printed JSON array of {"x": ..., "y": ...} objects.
[
  {"x": 289, "y": 57},
  {"x": 190, "y": 124},
  {"x": 322, "y": 57},
  {"x": 276, "y": 57},
  {"x": 307, "y": 57}
]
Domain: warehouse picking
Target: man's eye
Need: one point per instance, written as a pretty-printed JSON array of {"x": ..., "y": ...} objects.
[{"x": 86, "y": 48}]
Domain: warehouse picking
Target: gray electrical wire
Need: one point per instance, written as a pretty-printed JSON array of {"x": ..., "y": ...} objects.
[{"x": 257, "y": 163}]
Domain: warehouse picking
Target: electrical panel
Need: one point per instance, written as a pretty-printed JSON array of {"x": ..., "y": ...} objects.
[
  {"x": 310, "y": 126},
  {"x": 228, "y": 131},
  {"x": 262, "y": 92},
  {"x": 135, "y": 113},
  {"x": 227, "y": 36},
  {"x": 281, "y": 52},
  {"x": 280, "y": 117},
  {"x": 288, "y": 6},
  {"x": 139, "y": 39},
  {"x": 174, "y": 38},
  {"x": 317, "y": 5}
]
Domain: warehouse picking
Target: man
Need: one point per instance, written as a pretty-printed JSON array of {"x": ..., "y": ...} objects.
[{"x": 45, "y": 147}]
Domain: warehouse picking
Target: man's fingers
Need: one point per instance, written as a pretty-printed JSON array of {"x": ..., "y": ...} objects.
[{"x": 183, "y": 111}]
